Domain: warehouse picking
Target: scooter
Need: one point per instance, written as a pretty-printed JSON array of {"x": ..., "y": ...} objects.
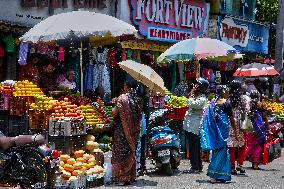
[{"x": 164, "y": 146}]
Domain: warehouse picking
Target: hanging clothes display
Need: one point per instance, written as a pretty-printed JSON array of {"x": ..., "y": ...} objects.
[
  {"x": 23, "y": 53},
  {"x": 112, "y": 58},
  {"x": 101, "y": 73},
  {"x": 61, "y": 53},
  {"x": 89, "y": 75},
  {"x": 191, "y": 70},
  {"x": 181, "y": 70}
]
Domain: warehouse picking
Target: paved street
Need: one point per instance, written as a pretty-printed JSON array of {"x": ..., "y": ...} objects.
[{"x": 271, "y": 177}]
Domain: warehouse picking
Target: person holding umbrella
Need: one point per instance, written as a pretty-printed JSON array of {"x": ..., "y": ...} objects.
[{"x": 127, "y": 114}]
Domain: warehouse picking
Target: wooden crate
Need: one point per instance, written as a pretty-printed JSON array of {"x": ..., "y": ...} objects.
[
  {"x": 20, "y": 105},
  {"x": 39, "y": 119}
]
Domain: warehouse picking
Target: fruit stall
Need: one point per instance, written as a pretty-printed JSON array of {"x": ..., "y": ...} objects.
[{"x": 76, "y": 126}]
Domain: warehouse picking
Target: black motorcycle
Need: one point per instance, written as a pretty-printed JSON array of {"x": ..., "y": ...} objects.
[{"x": 28, "y": 164}]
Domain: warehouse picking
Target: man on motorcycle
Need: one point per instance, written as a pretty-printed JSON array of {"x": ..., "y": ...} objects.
[
  {"x": 8, "y": 142},
  {"x": 196, "y": 103}
]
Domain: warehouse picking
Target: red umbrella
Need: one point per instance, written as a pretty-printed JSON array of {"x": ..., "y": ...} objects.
[{"x": 255, "y": 70}]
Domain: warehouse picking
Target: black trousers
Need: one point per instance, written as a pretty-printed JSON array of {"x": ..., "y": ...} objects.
[
  {"x": 194, "y": 151},
  {"x": 143, "y": 152}
]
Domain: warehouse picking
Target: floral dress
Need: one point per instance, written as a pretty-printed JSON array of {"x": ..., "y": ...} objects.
[{"x": 232, "y": 142}]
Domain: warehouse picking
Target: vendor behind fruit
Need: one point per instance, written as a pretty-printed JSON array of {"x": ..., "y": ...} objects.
[{"x": 67, "y": 80}]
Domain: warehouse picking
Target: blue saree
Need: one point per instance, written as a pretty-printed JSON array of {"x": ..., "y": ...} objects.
[{"x": 214, "y": 132}]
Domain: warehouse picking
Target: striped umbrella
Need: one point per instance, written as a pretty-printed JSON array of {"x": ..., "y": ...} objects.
[{"x": 255, "y": 70}]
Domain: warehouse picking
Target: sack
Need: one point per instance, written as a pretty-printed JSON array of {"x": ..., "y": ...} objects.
[
  {"x": 272, "y": 150},
  {"x": 247, "y": 124}
]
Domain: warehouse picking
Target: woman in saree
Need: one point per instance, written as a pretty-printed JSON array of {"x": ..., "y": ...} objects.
[
  {"x": 214, "y": 132},
  {"x": 127, "y": 114},
  {"x": 256, "y": 138}
]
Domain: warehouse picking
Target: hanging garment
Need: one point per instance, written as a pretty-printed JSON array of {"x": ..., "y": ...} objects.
[
  {"x": 181, "y": 70},
  {"x": 52, "y": 52},
  {"x": 23, "y": 53},
  {"x": 101, "y": 73},
  {"x": 112, "y": 57},
  {"x": 123, "y": 55},
  {"x": 10, "y": 43},
  {"x": 61, "y": 54},
  {"x": 42, "y": 48},
  {"x": 101, "y": 78},
  {"x": 89, "y": 75},
  {"x": 2, "y": 53},
  {"x": 129, "y": 54}
]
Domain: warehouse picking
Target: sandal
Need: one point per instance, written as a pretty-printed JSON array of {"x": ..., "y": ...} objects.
[
  {"x": 240, "y": 169},
  {"x": 234, "y": 171},
  {"x": 214, "y": 181},
  {"x": 255, "y": 167}
]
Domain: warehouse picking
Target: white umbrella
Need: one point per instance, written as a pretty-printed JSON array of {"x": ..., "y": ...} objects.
[{"x": 80, "y": 24}]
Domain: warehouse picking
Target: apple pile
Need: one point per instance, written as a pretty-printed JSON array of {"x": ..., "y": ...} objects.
[
  {"x": 26, "y": 88},
  {"x": 92, "y": 115},
  {"x": 65, "y": 110}
]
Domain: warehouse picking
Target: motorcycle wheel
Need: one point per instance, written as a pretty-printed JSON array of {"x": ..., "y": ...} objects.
[
  {"x": 35, "y": 170},
  {"x": 168, "y": 169}
]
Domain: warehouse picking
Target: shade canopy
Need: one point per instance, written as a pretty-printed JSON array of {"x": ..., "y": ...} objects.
[
  {"x": 255, "y": 70},
  {"x": 144, "y": 74},
  {"x": 80, "y": 23},
  {"x": 199, "y": 48}
]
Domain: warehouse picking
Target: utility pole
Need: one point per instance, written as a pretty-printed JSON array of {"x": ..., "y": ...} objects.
[{"x": 279, "y": 36}]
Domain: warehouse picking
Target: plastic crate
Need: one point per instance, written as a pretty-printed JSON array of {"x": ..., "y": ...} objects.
[
  {"x": 4, "y": 122},
  {"x": 18, "y": 125},
  {"x": 67, "y": 128},
  {"x": 67, "y": 144}
]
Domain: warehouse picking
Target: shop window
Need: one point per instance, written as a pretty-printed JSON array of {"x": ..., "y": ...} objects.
[{"x": 242, "y": 8}]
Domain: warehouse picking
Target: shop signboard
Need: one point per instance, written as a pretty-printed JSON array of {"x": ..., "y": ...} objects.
[
  {"x": 30, "y": 12},
  {"x": 170, "y": 20},
  {"x": 245, "y": 36}
]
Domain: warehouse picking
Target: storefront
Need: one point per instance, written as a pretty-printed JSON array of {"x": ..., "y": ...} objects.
[{"x": 17, "y": 17}]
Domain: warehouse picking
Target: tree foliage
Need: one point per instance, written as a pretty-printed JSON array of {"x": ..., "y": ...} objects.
[{"x": 267, "y": 11}]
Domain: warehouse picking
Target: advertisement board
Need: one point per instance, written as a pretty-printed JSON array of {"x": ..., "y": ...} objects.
[
  {"x": 170, "y": 20},
  {"x": 245, "y": 36}
]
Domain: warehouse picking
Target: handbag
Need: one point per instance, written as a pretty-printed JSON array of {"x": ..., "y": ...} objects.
[
  {"x": 271, "y": 151},
  {"x": 246, "y": 124}
]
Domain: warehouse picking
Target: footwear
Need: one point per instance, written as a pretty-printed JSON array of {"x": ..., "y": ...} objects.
[
  {"x": 240, "y": 169},
  {"x": 122, "y": 183},
  {"x": 234, "y": 172},
  {"x": 214, "y": 181},
  {"x": 191, "y": 171},
  {"x": 255, "y": 166}
]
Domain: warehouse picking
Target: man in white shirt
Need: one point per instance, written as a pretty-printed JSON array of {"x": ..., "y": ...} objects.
[{"x": 196, "y": 102}]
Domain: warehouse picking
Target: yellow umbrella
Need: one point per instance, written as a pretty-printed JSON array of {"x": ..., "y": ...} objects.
[{"x": 145, "y": 75}]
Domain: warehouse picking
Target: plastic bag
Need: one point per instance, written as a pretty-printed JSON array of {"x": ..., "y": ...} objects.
[{"x": 107, "y": 167}]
